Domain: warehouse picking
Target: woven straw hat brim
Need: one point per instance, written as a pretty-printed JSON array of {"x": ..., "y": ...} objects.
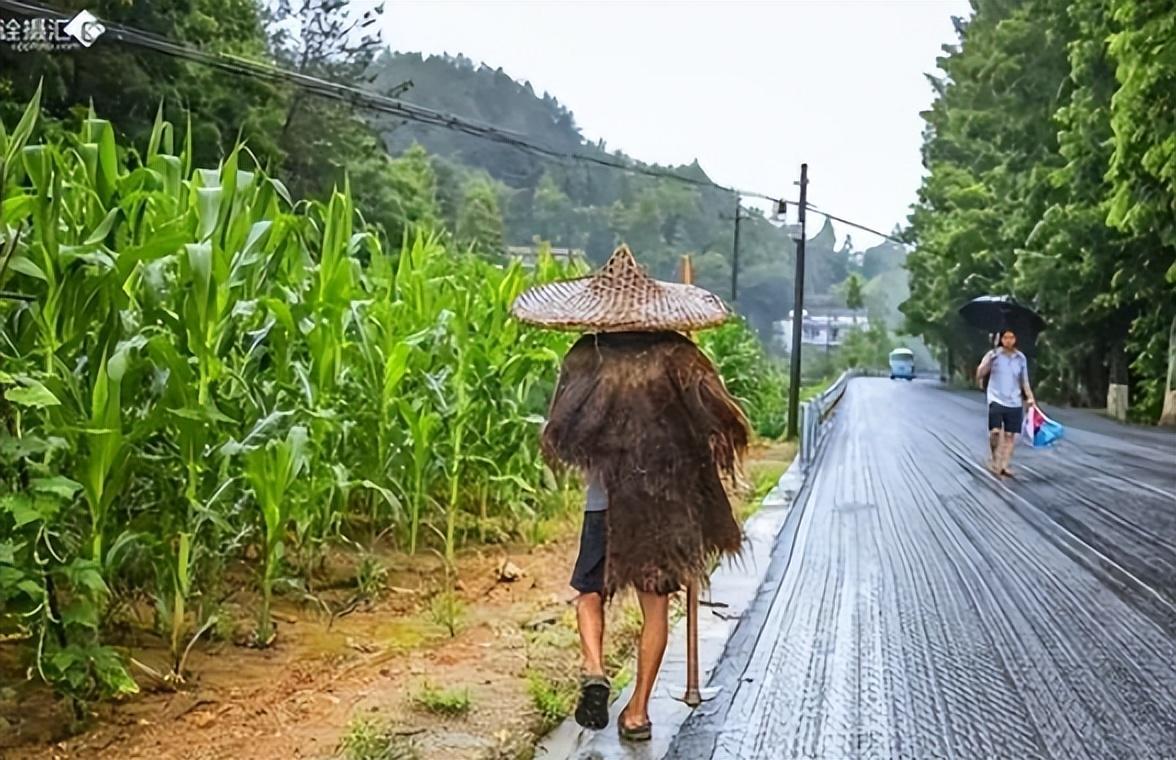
[
  {"x": 590, "y": 304},
  {"x": 621, "y": 297}
]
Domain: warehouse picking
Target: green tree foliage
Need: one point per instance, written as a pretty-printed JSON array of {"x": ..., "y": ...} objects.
[
  {"x": 1045, "y": 154},
  {"x": 490, "y": 96},
  {"x": 318, "y": 139},
  {"x": 866, "y": 349},
  {"x": 854, "y": 297},
  {"x": 825, "y": 265},
  {"x": 479, "y": 224},
  {"x": 553, "y": 214},
  {"x": 1143, "y": 177},
  {"x": 400, "y": 195},
  {"x": 885, "y": 257},
  {"x": 127, "y": 84}
]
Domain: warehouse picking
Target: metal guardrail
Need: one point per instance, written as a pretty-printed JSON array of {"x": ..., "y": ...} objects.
[{"x": 813, "y": 415}]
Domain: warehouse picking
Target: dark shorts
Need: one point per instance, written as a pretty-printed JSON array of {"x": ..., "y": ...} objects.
[
  {"x": 1007, "y": 417},
  {"x": 588, "y": 575}
]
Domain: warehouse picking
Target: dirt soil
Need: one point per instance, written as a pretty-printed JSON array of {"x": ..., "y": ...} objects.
[{"x": 353, "y": 686}]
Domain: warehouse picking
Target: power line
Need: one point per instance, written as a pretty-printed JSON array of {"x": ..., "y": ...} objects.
[
  {"x": 362, "y": 98},
  {"x": 827, "y": 215},
  {"x": 353, "y": 95}
]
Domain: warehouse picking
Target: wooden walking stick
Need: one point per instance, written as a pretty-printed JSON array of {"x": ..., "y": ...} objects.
[{"x": 693, "y": 695}]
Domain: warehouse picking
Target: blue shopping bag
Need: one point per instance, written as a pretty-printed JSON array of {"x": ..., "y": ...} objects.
[{"x": 1040, "y": 431}]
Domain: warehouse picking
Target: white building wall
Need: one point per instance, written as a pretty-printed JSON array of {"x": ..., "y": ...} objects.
[{"x": 819, "y": 329}]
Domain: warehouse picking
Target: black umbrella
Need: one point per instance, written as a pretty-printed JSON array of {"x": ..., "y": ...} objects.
[{"x": 994, "y": 313}]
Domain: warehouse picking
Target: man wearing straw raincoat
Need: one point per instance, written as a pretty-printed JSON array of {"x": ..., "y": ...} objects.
[{"x": 644, "y": 414}]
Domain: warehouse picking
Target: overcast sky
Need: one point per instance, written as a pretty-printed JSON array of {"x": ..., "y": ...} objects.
[{"x": 750, "y": 89}]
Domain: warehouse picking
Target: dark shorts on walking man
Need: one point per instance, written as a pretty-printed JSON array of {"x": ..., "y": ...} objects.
[
  {"x": 1007, "y": 417},
  {"x": 1008, "y": 381},
  {"x": 588, "y": 574}
]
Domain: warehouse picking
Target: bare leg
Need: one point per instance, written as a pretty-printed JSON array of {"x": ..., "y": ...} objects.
[
  {"x": 655, "y": 609},
  {"x": 592, "y": 707},
  {"x": 1007, "y": 453},
  {"x": 994, "y": 450},
  {"x": 590, "y": 621}
]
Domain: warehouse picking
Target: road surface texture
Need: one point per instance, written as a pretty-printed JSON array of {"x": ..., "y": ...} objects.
[{"x": 932, "y": 611}]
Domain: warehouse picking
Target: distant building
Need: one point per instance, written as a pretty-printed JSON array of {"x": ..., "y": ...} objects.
[
  {"x": 529, "y": 254},
  {"x": 822, "y": 328}
]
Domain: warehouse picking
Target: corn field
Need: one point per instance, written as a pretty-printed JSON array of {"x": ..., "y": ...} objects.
[{"x": 196, "y": 367}]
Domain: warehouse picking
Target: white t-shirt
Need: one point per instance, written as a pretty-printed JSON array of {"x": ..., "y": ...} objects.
[{"x": 1008, "y": 373}]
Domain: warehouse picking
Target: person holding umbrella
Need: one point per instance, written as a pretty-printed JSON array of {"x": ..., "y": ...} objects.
[
  {"x": 643, "y": 412},
  {"x": 1004, "y": 371},
  {"x": 994, "y": 313},
  {"x": 1008, "y": 392}
]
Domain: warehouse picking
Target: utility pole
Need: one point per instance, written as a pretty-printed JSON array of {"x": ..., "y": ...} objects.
[
  {"x": 735, "y": 254},
  {"x": 797, "y": 312},
  {"x": 739, "y": 217}
]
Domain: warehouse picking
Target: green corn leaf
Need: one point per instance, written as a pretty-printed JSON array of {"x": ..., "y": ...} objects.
[
  {"x": 58, "y": 485},
  {"x": 25, "y": 509},
  {"x": 85, "y": 574},
  {"x": 38, "y": 165},
  {"x": 33, "y": 394},
  {"x": 80, "y": 613},
  {"x": 17, "y": 207},
  {"x": 27, "y": 267},
  {"x": 24, "y": 128},
  {"x": 208, "y": 211},
  {"x": 102, "y": 230}
]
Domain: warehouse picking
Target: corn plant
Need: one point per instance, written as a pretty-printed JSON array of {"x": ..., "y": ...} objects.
[
  {"x": 458, "y": 419},
  {"x": 272, "y": 469},
  {"x": 40, "y": 566}
]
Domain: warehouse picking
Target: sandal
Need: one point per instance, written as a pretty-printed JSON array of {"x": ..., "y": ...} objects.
[
  {"x": 592, "y": 711},
  {"x": 642, "y": 733}
]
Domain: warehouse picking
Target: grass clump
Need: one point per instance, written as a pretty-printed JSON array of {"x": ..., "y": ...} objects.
[
  {"x": 447, "y": 610},
  {"x": 369, "y": 739},
  {"x": 554, "y": 701},
  {"x": 450, "y": 702}
]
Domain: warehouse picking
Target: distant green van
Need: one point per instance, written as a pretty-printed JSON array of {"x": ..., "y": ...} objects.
[{"x": 902, "y": 364}]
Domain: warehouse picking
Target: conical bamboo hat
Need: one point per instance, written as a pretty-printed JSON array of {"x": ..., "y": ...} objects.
[{"x": 621, "y": 297}]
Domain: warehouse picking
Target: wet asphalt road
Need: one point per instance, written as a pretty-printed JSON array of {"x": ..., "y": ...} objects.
[{"x": 930, "y": 611}]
